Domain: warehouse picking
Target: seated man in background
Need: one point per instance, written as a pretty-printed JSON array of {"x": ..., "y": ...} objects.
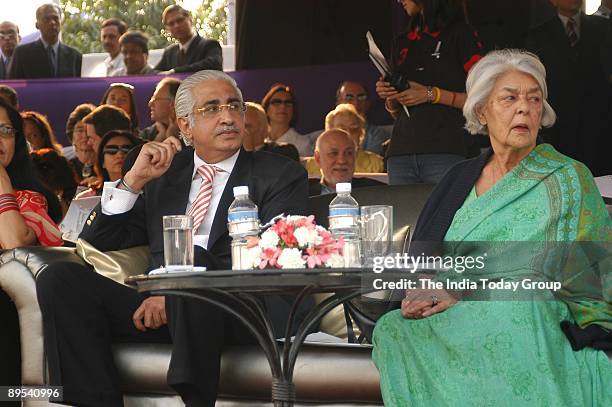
[
  {"x": 192, "y": 53},
  {"x": 135, "y": 51},
  {"x": 84, "y": 312},
  {"x": 335, "y": 155},
  {"x": 110, "y": 32},
  {"x": 162, "y": 111},
  {"x": 257, "y": 133},
  {"x": 345, "y": 117}
]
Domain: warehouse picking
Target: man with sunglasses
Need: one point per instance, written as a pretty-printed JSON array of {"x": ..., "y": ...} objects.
[
  {"x": 9, "y": 39},
  {"x": 192, "y": 53},
  {"x": 167, "y": 179}
]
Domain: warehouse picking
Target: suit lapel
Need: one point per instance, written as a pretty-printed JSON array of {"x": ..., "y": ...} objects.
[
  {"x": 45, "y": 57},
  {"x": 239, "y": 176}
]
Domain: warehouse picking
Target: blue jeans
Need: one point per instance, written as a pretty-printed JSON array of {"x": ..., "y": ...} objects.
[{"x": 420, "y": 168}]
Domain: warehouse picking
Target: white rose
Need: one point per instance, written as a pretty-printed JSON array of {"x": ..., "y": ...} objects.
[
  {"x": 269, "y": 239},
  {"x": 305, "y": 237},
  {"x": 294, "y": 218},
  {"x": 254, "y": 254},
  {"x": 291, "y": 259},
  {"x": 335, "y": 261}
]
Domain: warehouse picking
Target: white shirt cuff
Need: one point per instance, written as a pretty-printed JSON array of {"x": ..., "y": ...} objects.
[{"x": 116, "y": 201}]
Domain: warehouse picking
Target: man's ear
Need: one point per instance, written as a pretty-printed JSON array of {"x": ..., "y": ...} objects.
[
  {"x": 36, "y": 25},
  {"x": 183, "y": 125},
  {"x": 317, "y": 157}
]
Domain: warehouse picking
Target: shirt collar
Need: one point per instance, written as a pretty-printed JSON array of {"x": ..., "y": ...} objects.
[
  {"x": 54, "y": 46},
  {"x": 185, "y": 46},
  {"x": 226, "y": 165},
  {"x": 576, "y": 18},
  {"x": 113, "y": 62},
  {"x": 603, "y": 10}
]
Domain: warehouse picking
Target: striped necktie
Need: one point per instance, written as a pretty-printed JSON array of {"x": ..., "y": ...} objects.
[
  {"x": 200, "y": 205},
  {"x": 570, "y": 29}
]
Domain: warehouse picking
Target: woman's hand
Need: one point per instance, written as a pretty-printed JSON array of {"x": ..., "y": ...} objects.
[
  {"x": 415, "y": 95},
  {"x": 424, "y": 303},
  {"x": 384, "y": 89}
]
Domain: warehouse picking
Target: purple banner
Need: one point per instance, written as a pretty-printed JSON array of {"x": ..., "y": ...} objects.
[{"x": 314, "y": 87}]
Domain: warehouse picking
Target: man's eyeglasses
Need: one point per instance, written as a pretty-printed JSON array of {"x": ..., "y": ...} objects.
[
  {"x": 7, "y": 35},
  {"x": 278, "y": 102},
  {"x": 360, "y": 98},
  {"x": 7, "y": 131},
  {"x": 214, "y": 109},
  {"x": 113, "y": 149}
]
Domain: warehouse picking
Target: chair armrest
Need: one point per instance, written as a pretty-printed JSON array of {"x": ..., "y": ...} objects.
[{"x": 18, "y": 270}]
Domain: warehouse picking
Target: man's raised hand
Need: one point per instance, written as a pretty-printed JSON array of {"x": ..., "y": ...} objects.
[{"x": 153, "y": 160}]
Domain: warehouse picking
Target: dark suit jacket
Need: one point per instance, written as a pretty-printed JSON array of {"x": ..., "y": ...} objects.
[
  {"x": 30, "y": 61},
  {"x": 314, "y": 184},
  {"x": 276, "y": 184},
  {"x": 577, "y": 85},
  {"x": 3, "y": 70},
  {"x": 201, "y": 54}
]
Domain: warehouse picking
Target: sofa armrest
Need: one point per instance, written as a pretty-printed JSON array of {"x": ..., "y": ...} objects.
[{"x": 18, "y": 270}]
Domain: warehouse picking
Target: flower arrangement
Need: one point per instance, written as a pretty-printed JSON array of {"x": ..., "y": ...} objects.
[{"x": 295, "y": 242}]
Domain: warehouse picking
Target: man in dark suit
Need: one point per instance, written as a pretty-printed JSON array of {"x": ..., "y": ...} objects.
[
  {"x": 84, "y": 312},
  {"x": 570, "y": 47},
  {"x": 9, "y": 39},
  {"x": 193, "y": 53},
  {"x": 335, "y": 154},
  {"x": 47, "y": 57}
]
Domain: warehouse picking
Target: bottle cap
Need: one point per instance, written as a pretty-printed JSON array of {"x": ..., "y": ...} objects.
[
  {"x": 241, "y": 190},
  {"x": 343, "y": 187}
]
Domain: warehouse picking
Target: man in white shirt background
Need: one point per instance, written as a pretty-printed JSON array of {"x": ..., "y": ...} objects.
[{"x": 111, "y": 30}]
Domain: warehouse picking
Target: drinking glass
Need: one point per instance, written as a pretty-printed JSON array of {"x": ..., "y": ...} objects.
[
  {"x": 178, "y": 242},
  {"x": 376, "y": 231}
]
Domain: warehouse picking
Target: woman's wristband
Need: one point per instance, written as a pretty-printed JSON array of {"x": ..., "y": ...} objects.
[
  {"x": 438, "y": 93},
  {"x": 8, "y": 202}
]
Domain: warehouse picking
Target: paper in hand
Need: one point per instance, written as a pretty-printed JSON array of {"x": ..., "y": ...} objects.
[{"x": 379, "y": 61}]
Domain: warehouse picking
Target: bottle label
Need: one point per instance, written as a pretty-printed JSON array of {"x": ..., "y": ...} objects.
[
  {"x": 343, "y": 212},
  {"x": 241, "y": 216}
]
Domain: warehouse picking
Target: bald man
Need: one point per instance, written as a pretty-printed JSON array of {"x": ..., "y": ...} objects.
[
  {"x": 256, "y": 126},
  {"x": 335, "y": 154}
]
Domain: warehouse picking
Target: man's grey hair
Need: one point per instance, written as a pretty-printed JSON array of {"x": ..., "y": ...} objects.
[
  {"x": 484, "y": 74},
  {"x": 326, "y": 134},
  {"x": 185, "y": 99}
]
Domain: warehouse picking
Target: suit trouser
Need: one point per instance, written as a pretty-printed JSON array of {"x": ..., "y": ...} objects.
[{"x": 84, "y": 313}]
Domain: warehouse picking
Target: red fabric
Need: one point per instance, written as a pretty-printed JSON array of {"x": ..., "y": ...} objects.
[
  {"x": 33, "y": 208},
  {"x": 469, "y": 64}
]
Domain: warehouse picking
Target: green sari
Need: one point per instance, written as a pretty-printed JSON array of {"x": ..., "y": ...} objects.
[{"x": 513, "y": 353}]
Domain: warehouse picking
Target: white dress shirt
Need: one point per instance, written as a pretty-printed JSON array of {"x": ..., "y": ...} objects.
[
  {"x": 301, "y": 142},
  {"x": 116, "y": 201}
]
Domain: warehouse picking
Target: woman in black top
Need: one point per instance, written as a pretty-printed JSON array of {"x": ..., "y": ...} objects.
[{"x": 433, "y": 57}]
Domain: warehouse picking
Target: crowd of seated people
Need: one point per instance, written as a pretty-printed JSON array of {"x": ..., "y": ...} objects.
[{"x": 39, "y": 178}]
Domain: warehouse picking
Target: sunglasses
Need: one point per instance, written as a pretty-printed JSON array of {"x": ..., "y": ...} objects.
[
  {"x": 278, "y": 102},
  {"x": 7, "y": 131},
  {"x": 113, "y": 149}
]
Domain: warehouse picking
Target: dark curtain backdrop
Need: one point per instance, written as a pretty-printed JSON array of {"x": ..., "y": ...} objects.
[{"x": 276, "y": 34}]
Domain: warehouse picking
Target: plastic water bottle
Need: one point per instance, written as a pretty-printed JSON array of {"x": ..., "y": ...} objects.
[
  {"x": 344, "y": 221},
  {"x": 242, "y": 222}
]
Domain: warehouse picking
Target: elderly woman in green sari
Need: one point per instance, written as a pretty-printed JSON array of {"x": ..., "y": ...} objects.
[{"x": 437, "y": 350}]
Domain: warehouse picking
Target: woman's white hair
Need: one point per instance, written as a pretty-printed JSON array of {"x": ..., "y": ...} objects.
[
  {"x": 484, "y": 74},
  {"x": 184, "y": 101}
]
